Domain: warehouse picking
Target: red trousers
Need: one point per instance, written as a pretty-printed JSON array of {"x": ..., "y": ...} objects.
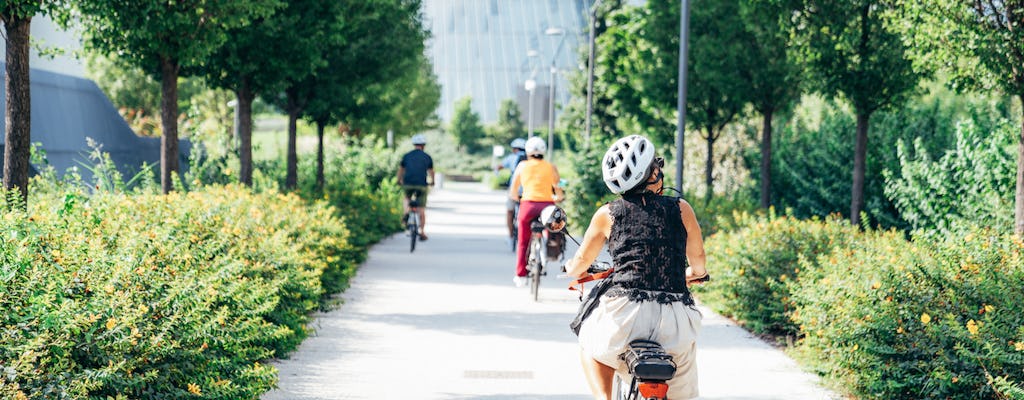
[{"x": 528, "y": 211}]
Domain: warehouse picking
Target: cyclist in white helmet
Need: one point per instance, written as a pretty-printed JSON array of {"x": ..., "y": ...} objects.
[
  {"x": 510, "y": 162},
  {"x": 539, "y": 182},
  {"x": 416, "y": 175},
  {"x": 657, "y": 252}
]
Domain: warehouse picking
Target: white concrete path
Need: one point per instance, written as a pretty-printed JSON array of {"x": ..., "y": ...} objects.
[{"x": 446, "y": 323}]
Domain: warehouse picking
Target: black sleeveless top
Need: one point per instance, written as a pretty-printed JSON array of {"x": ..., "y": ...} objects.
[{"x": 648, "y": 248}]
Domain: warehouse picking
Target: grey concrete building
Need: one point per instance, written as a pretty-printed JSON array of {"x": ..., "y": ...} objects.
[{"x": 67, "y": 108}]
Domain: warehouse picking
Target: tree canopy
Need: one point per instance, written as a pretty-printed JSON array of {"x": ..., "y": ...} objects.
[
  {"x": 979, "y": 44},
  {"x": 162, "y": 38}
]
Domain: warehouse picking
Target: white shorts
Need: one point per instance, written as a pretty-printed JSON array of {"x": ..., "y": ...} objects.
[{"x": 616, "y": 321}]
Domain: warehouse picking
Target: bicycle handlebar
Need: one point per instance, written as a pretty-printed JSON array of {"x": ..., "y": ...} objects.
[{"x": 599, "y": 267}]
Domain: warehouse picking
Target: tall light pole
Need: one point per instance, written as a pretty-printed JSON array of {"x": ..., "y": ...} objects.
[
  {"x": 551, "y": 93},
  {"x": 590, "y": 75},
  {"x": 684, "y": 35},
  {"x": 529, "y": 85}
]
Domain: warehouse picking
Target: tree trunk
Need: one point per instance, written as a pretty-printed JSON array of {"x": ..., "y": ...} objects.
[
  {"x": 1019, "y": 200},
  {"x": 320, "y": 157},
  {"x": 709, "y": 179},
  {"x": 245, "y": 99},
  {"x": 169, "y": 121},
  {"x": 766, "y": 159},
  {"x": 291, "y": 179},
  {"x": 18, "y": 113},
  {"x": 859, "y": 158}
]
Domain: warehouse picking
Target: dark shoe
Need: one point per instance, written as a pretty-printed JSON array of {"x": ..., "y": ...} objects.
[{"x": 423, "y": 237}]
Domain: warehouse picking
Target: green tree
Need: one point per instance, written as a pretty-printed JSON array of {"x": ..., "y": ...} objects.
[
  {"x": 259, "y": 58},
  {"x": 509, "y": 125},
  {"x": 163, "y": 37},
  {"x": 465, "y": 125},
  {"x": 854, "y": 53},
  {"x": 373, "y": 64},
  {"x": 771, "y": 71},
  {"x": 717, "y": 91},
  {"x": 978, "y": 43},
  {"x": 17, "y": 19}
]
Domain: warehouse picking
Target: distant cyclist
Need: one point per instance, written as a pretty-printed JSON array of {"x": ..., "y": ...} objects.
[
  {"x": 539, "y": 182},
  {"x": 657, "y": 250},
  {"x": 510, "y": 162},
  {"x": 416, "y": 174}
]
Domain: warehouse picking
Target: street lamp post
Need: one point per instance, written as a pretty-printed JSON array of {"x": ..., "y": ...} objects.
[
  {"x": 529, "y": 85},
  {"x": 590, "y": 75},
  {"x": 551, "y": 94},
  {"x": 684, "y": 34}
]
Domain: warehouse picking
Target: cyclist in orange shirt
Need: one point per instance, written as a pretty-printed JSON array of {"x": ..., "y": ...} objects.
[{"x": 539, "y": 180}]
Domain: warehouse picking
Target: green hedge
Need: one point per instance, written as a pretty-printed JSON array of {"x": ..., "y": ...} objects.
[
  {"x": 756, "y": 264},
  {"x": 931, "y": 318},
  {"x": 160, "y": 296},
  {"x": 880, "y": 316}
]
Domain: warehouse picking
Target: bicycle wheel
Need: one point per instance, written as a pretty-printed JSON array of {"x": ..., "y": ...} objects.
[
  {"x": 413, "y": 229},
  {"x": 515, "y": 227},
  {"x": 620, "y": 389},
  {"x": 536, "y": 265}
]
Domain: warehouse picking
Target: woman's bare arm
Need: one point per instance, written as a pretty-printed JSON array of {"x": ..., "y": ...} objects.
[
  {"x": 694, "y": 242},
  {"x": 593, "y": 240}
]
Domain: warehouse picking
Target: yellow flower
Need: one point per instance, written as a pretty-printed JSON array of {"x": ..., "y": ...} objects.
[
  {"x": 969, "y": 237},
  {"x": 876, "y": 285},
  {"x": 972, "y": 327},
  {"x": 1019, "y": 346},
  {"x": 111, "y": 323},
  {"x": 989, "y": 308},
  {"x": 899, "y": 330},
  {"x": 925, "y": 318},
  {"x": 194, "y": 389}
]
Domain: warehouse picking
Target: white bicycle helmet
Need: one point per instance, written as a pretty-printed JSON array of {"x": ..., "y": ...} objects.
[
  {"x": 553, "y": 218},
  {"x": 536, "y": 146},
  {"x": 627, "y": 162},
  {"x": 518, "y": 143},
  {"x": 419, "y": 139}
]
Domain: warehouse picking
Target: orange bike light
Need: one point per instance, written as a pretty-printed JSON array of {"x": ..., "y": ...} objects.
[{"x": 653, "y": 390}]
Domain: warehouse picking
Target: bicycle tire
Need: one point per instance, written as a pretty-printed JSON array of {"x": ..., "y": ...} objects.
[
  {"x": 515, "y": 227},
  {"x": 413, "y": 231},
  {"x": 536, "y": 267},
  {"x": 619, "y": 392}
]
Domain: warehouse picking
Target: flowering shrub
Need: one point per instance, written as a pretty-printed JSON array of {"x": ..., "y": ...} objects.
[
  {"x": 755, "y": 267},
  {"x": 113, "y": 295},
  {"x": 935, "y": 317}
]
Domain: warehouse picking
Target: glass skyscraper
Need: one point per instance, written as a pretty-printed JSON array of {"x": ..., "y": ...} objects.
[{"x": 488, "y": 49}]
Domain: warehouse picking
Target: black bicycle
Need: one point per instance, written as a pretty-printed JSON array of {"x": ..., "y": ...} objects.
[{"x": 412, "y": 221}]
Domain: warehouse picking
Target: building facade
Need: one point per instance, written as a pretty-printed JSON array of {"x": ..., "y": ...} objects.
[{"x": 488, "y": 49}]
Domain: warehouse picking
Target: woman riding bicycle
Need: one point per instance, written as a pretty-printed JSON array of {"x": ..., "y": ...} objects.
[
  {"x": 657, "y": 250},
  {"x": 539, "y": 181}
]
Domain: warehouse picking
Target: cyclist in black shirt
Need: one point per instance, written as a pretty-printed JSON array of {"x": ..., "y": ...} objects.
[
  {"x": 657, "y": 251},
  {"x": 416, "y": 174}
]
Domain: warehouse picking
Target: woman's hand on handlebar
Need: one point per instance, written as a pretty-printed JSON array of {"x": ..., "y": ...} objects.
[
  {"x": 700, "y": 280},
  {"x": 598, "y": 267}
]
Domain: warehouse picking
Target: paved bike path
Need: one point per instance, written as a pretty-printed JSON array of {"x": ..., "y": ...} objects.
[{"x": 445, "y": 322}]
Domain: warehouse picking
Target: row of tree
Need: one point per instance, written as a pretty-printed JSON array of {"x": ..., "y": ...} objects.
[
  {"x": 762, "y": 55},
  {"x": 359, "y": 63}
]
